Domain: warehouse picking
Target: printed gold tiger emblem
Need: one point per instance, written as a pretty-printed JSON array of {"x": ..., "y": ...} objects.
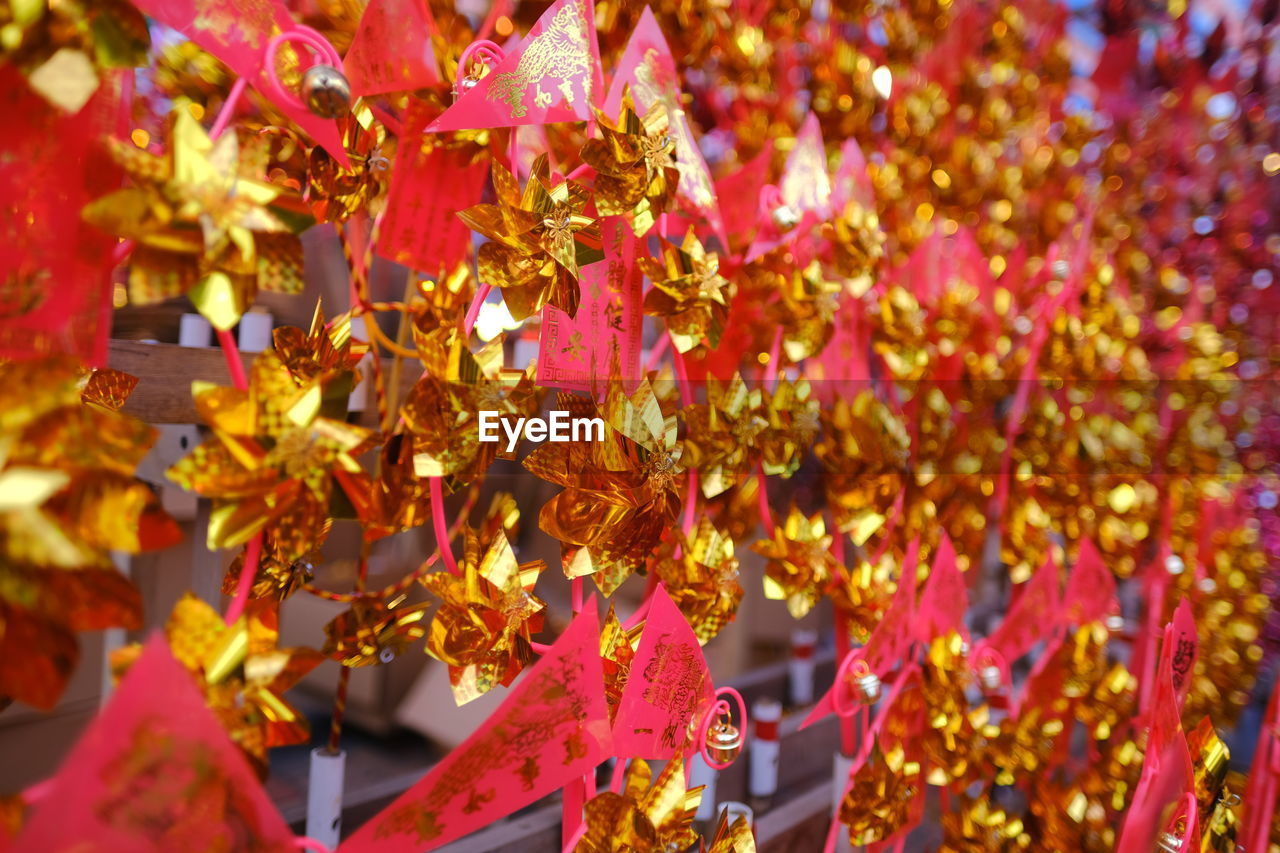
[{"x": 559, "y": 53}]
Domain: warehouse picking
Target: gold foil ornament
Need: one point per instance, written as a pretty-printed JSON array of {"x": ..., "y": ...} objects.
[
  {"x": 487, "y": 614},
  {"x": 689, "y": 293},
  {"x": 538, "y": 239},
  {"x": 635, "y": 164},
  {"x": 642, "y": 819},
  {"x": 800, "y": 563},
  {"x": 703, "y": 579}
]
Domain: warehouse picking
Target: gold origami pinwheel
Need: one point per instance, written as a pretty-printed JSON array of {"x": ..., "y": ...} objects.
[
  {"x": 861, "y": 594},
  {"x": 277, "y": 576},
  {"x": 791, "y": 415},
  {"x": 620, "y": 494},
  {"x": 723, "y": 434},
  {"x": 442, "y": 412},
  {"x": 642, "y": 819},
  {"x": 242, "y": 671},
  {"x": 880, "y": 796},
  {"x": 703, "y": 580},
  {"x": 272, "y": 461},
  {"x": 805, "y": 311},
  {"x": 865, "y": 450},
  {"x": 372, "y": 632},
  {"x": 487, "y": 616},
  {"x": 800, "y": 562},
  {"x": 689, "y": 293},
  {"x": 735, "y": 837},
  {"x": 635, "y": 164},
  {"x": 539, "y": 238},
  {"x": 68, "y": 498},
  {"x": 205, "y": 222}
]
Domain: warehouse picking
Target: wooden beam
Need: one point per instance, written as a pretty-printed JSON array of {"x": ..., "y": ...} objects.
[{"x": 165, "y": 373}]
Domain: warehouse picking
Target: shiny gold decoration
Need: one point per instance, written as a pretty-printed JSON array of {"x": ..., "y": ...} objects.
[
  {"x": 242, "y": 672},
  {"x": 702, "y": 579},
  {"x": 723, "y": 434},
  {"x": 688, "y": 293},
  {"x": 441, "y": 412},
  {"x": 68, "y": 498},
  {"x": 635, "y": 164},
  {"x": 539, "y": 238},
  {"x": 724, "y": 742},
  {"x": 372, "y": 632},
  {"x": 278, "y": 446},
  {"x": 205, "y": 221},
  {"x": 487, "y": 614},
  {"x": 800, "y": 562},
  {"x": 620, "y": 494},
  {"x": 736, "y": 837},
  {"x": 642, "y": 819}
]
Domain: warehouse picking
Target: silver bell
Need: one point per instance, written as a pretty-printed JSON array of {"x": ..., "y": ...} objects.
[
  {"x": 785, "y": 217},
  {"x": 1169, "y": 843},
  {"x": 326, "y": 92},
  {"x": 990, "y": 677},
  {"x": 868, "y": 687}
]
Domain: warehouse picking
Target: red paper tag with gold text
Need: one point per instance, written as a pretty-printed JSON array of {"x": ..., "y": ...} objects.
[
  {"x": 55, "y": 295},
  {"x": 429, "y": 186},
  {"x": 574, "y": 353},
  {"x": 392, "y": 49},
  {"x": 553, "y": 727},
  {"x": 668, "y": 689}
]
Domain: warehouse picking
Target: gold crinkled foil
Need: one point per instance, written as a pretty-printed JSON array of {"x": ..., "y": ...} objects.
[
  {"x": 487, "y": 615},
  {"x": 242, "y": 671},
  {"x": 800, "y": 563},
  {"x": 538, "y": 240},
  {"x": 702, "y": 579},
  {"x": 641, "y": 818},
  {"x": 635, "y": 164},
  {"x": 689, "y": 293}
]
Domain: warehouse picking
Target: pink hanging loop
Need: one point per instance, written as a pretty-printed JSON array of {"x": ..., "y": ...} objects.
[
  {"x": 851, "y": 670},
  {"x": 720, "y": 707},
  {"x": 770, "y": 200},
  {"x": 488, "y": 51},
  {"x": 988, "y": 656},
  {"x": 324, "y": 53}
]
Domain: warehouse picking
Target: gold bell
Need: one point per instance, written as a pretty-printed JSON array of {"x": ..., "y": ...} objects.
[
  {"x": 326, "y": 91},
  {"x": 1169, "y": 843},
  {"x": 868, "y": 687},
  {"x": 724, "y": 742},
  {"x": 785, "y": 217},
  {"x": 989, "y": 675}
]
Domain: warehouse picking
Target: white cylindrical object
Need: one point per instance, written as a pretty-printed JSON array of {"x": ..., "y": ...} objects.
[
  {"x": 736, "y": 810},
  {"x": 255, "y": 331},
  {"x": 766, "y": 714},
  {"x": 324, "y": 796},
  {"x": 700, "y": 773},
  {"x": 194, "y": 331},
  {"x": 803, "y": 643},
  {"x": 358, "y": 399},
  {"x": 841, "y": 767}
]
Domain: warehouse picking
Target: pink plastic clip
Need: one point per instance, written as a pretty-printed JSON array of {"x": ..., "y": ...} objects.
[
  {"x": 490, "y": 53},
  {"x": 851, "y": 670},
  {"x": 324, "y": 52}
]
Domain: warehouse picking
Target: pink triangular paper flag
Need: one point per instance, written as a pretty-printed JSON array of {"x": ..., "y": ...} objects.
[
  {"x": 552, "y": 76},
  {"x": 945, "y": 598},
  {"x": 155, "y": 772},
  {"x": 552, "y": 728},
  {"x": 392, "y": 51},
  {"x": 1091, "y": 588},
  {"x": 668, "y": 689}
]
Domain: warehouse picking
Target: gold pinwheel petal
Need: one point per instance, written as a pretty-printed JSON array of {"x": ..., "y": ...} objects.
[
  {"x": 865, "y": 450},
  {"x": 800, "y": 562},
  {"x": 806, "y": 311},
  {"x": 276, "y": 578},
  {"x": 703, "y": 580},
  {"x": 488, "y": 614},
  {"x": 617, "y": 651},
  {"x": 791, "y": 413},
  {"x": 442, "y": 411},
  {"x": 539, "y": 238},
  {"x": 689, "y": 293},
  {"x": 635, "y": 164},
  {"x": 642, "y": 819},
  {"x": 274, "y": 455},
  {"x": 242, "y": 671},
  {"x": 373, "y": 632},
  {"x": 67, "y": 499},
  {"x": 861, "y": 594},
  {"x": 723, "y": 434},
  {"x": 621, "y": 494},
  {"x": 205, "y": 222},
  {"x": 735, "y": 837}
]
